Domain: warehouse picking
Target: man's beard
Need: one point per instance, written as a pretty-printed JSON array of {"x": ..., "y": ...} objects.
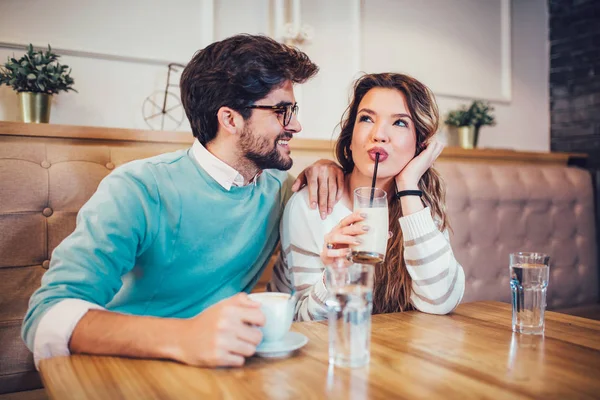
[{"x": 262, "y": 152}]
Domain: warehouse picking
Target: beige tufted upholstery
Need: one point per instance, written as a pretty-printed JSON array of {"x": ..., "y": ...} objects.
[
  {"x": 42, "y": 187},
  {"x": 498, "y": 209},
  {"x": 494, "y": 210}
]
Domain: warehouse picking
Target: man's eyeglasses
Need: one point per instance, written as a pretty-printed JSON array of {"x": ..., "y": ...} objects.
[{"x": 284, "y": 112}]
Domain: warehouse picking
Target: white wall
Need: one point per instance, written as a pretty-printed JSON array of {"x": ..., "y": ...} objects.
[
  {"x": 126, "y": 46},
  {"x": 524, "y": 122},
  {"x": 111, "y": 93},
  {"x": 129, "y": 42}
]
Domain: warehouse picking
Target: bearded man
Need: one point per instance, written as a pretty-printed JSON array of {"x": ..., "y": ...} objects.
[{"x": 167, "y": 248}]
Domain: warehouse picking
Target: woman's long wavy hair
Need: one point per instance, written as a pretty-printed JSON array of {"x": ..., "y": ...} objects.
[{"x": 392, "y": 287}]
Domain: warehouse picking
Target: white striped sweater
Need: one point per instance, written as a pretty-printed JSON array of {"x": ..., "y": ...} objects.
[{"x": 438, "y": 279}]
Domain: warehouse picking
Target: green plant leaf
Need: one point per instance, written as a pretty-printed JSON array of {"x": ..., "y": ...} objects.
[{"x": 37, "y": 71}]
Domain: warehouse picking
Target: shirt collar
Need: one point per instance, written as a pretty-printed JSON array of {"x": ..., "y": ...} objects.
[{"x": 224, "y": 174}]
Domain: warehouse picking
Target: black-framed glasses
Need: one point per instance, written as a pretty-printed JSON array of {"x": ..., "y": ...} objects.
[{"x": 284, "y": 112}]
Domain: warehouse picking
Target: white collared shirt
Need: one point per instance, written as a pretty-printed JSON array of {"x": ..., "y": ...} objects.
[{"x": 224, "y": 174}]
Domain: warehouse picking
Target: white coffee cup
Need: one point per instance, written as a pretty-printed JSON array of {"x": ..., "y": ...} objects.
[{"x": 278, "y": 309}]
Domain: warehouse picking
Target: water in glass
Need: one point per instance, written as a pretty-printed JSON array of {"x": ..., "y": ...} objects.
[
  {"x": 528, "y": 284},
  {"x": 350, "y": 310}
]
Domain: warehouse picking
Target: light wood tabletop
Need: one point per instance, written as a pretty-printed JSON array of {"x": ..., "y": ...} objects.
[{"x": 471, "y": 353}]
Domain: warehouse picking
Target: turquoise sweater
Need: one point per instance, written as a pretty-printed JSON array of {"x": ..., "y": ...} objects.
[{"x": 160, "y": 237}]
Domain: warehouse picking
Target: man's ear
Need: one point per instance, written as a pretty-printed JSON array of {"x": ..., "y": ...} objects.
[{"x": 230, "y": 120}]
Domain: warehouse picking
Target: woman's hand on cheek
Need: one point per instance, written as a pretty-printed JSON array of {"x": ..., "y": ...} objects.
[{"x": 409, "y": 177}]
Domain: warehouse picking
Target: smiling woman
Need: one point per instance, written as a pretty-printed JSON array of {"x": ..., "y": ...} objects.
[{"x": 395, "y": 116}]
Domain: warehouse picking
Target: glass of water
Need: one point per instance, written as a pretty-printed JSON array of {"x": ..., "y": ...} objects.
[
  {"x": 529, "y": 273},
  {"x": 349, "y": 307}
]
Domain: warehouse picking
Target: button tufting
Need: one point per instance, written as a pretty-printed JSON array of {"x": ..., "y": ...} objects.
[
  {"x": 573, "y": 203},
  {"x": 46, "y": 264},
  {"x": 47, "y": 212},
  {"x": 45, "y": 164},
  {"x": 110, "y": 165}
]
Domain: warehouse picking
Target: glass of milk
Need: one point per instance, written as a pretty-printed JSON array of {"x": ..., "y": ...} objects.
[{"x": 373, "y": 203}]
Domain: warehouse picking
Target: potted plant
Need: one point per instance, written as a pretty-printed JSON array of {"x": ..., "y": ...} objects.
[
  {"x": 481, "y": 114},
  {"x": 469, "y": 121},
  {"x": 36, "y": 77},
  {"x": 461, "y": 119}
]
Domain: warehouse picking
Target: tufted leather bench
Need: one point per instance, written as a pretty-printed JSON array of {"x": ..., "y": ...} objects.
[
  {"x": 499, "y": 209},
  {"x": 494, "y": 210},
  {"x": 42, "y": 187}
]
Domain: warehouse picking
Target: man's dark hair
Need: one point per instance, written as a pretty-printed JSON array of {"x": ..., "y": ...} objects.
[{"x": 237, "y": 72}]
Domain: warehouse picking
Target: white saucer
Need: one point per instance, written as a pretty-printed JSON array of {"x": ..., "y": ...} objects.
[{"x": 291, "y": 341}]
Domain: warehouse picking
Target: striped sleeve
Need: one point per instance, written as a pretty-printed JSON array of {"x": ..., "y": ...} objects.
[
  {"x": 299, "y": 267},
  {"x": 280, "y": 279},
  {"x": 438, "y": 280}
]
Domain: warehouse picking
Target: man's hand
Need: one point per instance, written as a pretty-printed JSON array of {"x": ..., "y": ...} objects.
[
  {"x": 223, "y": 335},
  {"x": 325, "y": 181}
]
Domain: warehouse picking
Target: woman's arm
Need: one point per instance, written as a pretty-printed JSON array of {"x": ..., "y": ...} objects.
[
  {"x": 299, "y": 268},
  {"x": 438, "y": 279},
  {"x": 305, "y": 277}
]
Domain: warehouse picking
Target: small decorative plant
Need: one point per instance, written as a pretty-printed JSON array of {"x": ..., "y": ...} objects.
[
  {"x": 471, "y": 119},
  {"x": 37, "y": 72},
  {"x": 458, "y": 117},
  {"x": 481, "y": 114},
  {"x": 478, "y": 115}
]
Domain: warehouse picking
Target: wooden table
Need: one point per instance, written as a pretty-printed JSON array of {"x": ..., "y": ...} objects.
[{"x": 471, "y": 353}]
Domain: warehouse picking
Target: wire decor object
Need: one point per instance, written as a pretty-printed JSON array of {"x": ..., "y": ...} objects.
[{"x": 162, "y": 110}]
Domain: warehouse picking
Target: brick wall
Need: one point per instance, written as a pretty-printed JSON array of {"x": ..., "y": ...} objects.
[
  {"x": 575, "y": 77},
  {"x": 575, "y": 83}
]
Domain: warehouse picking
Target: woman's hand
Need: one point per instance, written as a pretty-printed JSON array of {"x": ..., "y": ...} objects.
[
  {"x": 409, "y": 177},
  {"x": 342, "y": 236}
]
